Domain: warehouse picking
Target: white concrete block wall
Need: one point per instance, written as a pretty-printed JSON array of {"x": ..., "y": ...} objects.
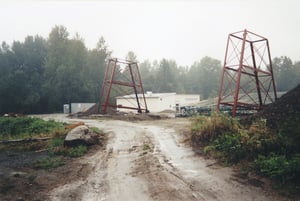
[{"x": 160, "y": 101}]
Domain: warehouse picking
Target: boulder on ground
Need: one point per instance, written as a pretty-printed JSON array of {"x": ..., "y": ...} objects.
[{"x": 81, "y": 135}]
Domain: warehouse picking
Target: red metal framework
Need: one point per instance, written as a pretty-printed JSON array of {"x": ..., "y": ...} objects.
[
  {"x": 247, "y": 80},
  {"x": 122, "y": 77}
]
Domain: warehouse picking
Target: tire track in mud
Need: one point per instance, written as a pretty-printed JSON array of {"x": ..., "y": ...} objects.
[
  {"x": 164, "y": 180},
  {"x": 190, "y": 177},
  {"x": 76, "y": 190},
  {"x": 147, "y": 161},
  {"x": 110, "y": 177}
]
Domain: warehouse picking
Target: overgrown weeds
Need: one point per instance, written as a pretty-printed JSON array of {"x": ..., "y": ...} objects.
[
  {"x": 207, "y": 129},
  {"x": 273, "y": 153},
  {"x": 27, "y": 127}
]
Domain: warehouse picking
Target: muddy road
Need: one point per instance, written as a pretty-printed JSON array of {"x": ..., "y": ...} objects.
[{"x": 148, "y": 160}]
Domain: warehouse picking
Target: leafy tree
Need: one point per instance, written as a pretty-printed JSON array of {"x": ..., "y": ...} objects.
[
  {"x": 66, "y": 65},
  {"x": 284, "y": 73},
  {"x": 147, "y": 75},
  {"x": 296, "y": 72},
  {"x": 204, "y": 76},
  {"x": 22, "y": 71},
  {"x": 6, "y": 56},
  {"x": 166, "y": 76},
  {"x": 96, "y": 66},
  {"x": 182, "y": 79},
  {"x": 56, "y": 57},
  {"x": 131, "y": 56}
]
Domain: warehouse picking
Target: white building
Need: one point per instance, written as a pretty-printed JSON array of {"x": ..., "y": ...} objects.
[{"x": 158, "y": 102}]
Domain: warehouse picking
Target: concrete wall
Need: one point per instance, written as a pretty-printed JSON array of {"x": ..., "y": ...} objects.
[
  {"x": 152, "y": 104},
  {"x": 187, "y": 99}
]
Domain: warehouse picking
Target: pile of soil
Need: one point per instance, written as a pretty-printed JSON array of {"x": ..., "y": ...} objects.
[
  {"x": 138, "y": 117},
  {"x": 285, "y": 108},
  {"x": 92, "y": 110},
  {"x": 93, "y": 113}
]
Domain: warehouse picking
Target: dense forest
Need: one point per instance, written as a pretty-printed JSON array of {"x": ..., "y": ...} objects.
[{"x": 40, "y": 75}]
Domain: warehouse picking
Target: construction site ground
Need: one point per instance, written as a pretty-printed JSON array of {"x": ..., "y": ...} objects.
[{"x": 142, "y": 160}]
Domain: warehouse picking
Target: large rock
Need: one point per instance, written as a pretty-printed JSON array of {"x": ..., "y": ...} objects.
[{"x": 81, "y": 135}]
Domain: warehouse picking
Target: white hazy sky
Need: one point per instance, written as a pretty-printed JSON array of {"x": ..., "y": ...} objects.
[{"x": 181, "y": 30}]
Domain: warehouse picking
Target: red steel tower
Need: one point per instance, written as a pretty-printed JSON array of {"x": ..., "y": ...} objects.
[
  {"x": 122, "y": 77},
  {"x": 247, "y": 80}
]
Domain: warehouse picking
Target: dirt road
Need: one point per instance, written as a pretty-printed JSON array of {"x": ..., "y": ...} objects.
[{"x": 149, "y": 161}]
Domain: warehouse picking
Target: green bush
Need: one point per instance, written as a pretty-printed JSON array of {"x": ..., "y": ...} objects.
[
  {"x": 279, "y": 167},
  {"x": 231, "y": 147},
  {"x": 289, "y": 136}
]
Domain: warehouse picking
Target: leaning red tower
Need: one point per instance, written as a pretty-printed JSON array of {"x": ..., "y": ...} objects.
[{"x": 247, "y": 81}]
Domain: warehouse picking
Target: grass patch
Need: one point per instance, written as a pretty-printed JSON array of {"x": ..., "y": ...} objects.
[
  {"x": 57, "y": 153},
  {"x": 56, "y": 147},
  {"x": 27, "y": 127},
  {"x": 76, "y": 151},
  {"x": 49, "y": 162}
]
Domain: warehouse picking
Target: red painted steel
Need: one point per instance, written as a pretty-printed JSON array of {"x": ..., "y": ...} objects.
[
  {"x": 129, "y": 78},
  {"x": 247, "y": 80}
]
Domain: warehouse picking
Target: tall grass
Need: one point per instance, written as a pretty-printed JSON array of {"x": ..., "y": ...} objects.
[
  {"x": 26, "y": 127},
  {"x": 207, "y": 129}
]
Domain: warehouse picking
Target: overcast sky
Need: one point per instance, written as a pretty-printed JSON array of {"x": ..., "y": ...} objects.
[{"x": 184, "y": 31}]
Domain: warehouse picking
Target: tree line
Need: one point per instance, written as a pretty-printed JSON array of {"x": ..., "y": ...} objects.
[{"x": 40, "y": 75}]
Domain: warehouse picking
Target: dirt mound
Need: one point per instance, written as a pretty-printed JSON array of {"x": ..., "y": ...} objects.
[
  {"x": 138, "y": 117},
  {"x": 95, "y": 109},
  {"x": 92, "y": 110},
  {"x": 285, "y": 108}
]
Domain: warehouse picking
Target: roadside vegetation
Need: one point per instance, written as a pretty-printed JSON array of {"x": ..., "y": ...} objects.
[
  {"x": 273, "y": 153},
  {"x": 27, "y": 134},
  {"x": 27, "y": 127},
  {"x": 35, "y": 158}
]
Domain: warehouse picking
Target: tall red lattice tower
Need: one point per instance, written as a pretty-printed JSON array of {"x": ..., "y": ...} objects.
[
  {"x": 122, "y": 77},
  {"x": 247, "y": 80}
]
